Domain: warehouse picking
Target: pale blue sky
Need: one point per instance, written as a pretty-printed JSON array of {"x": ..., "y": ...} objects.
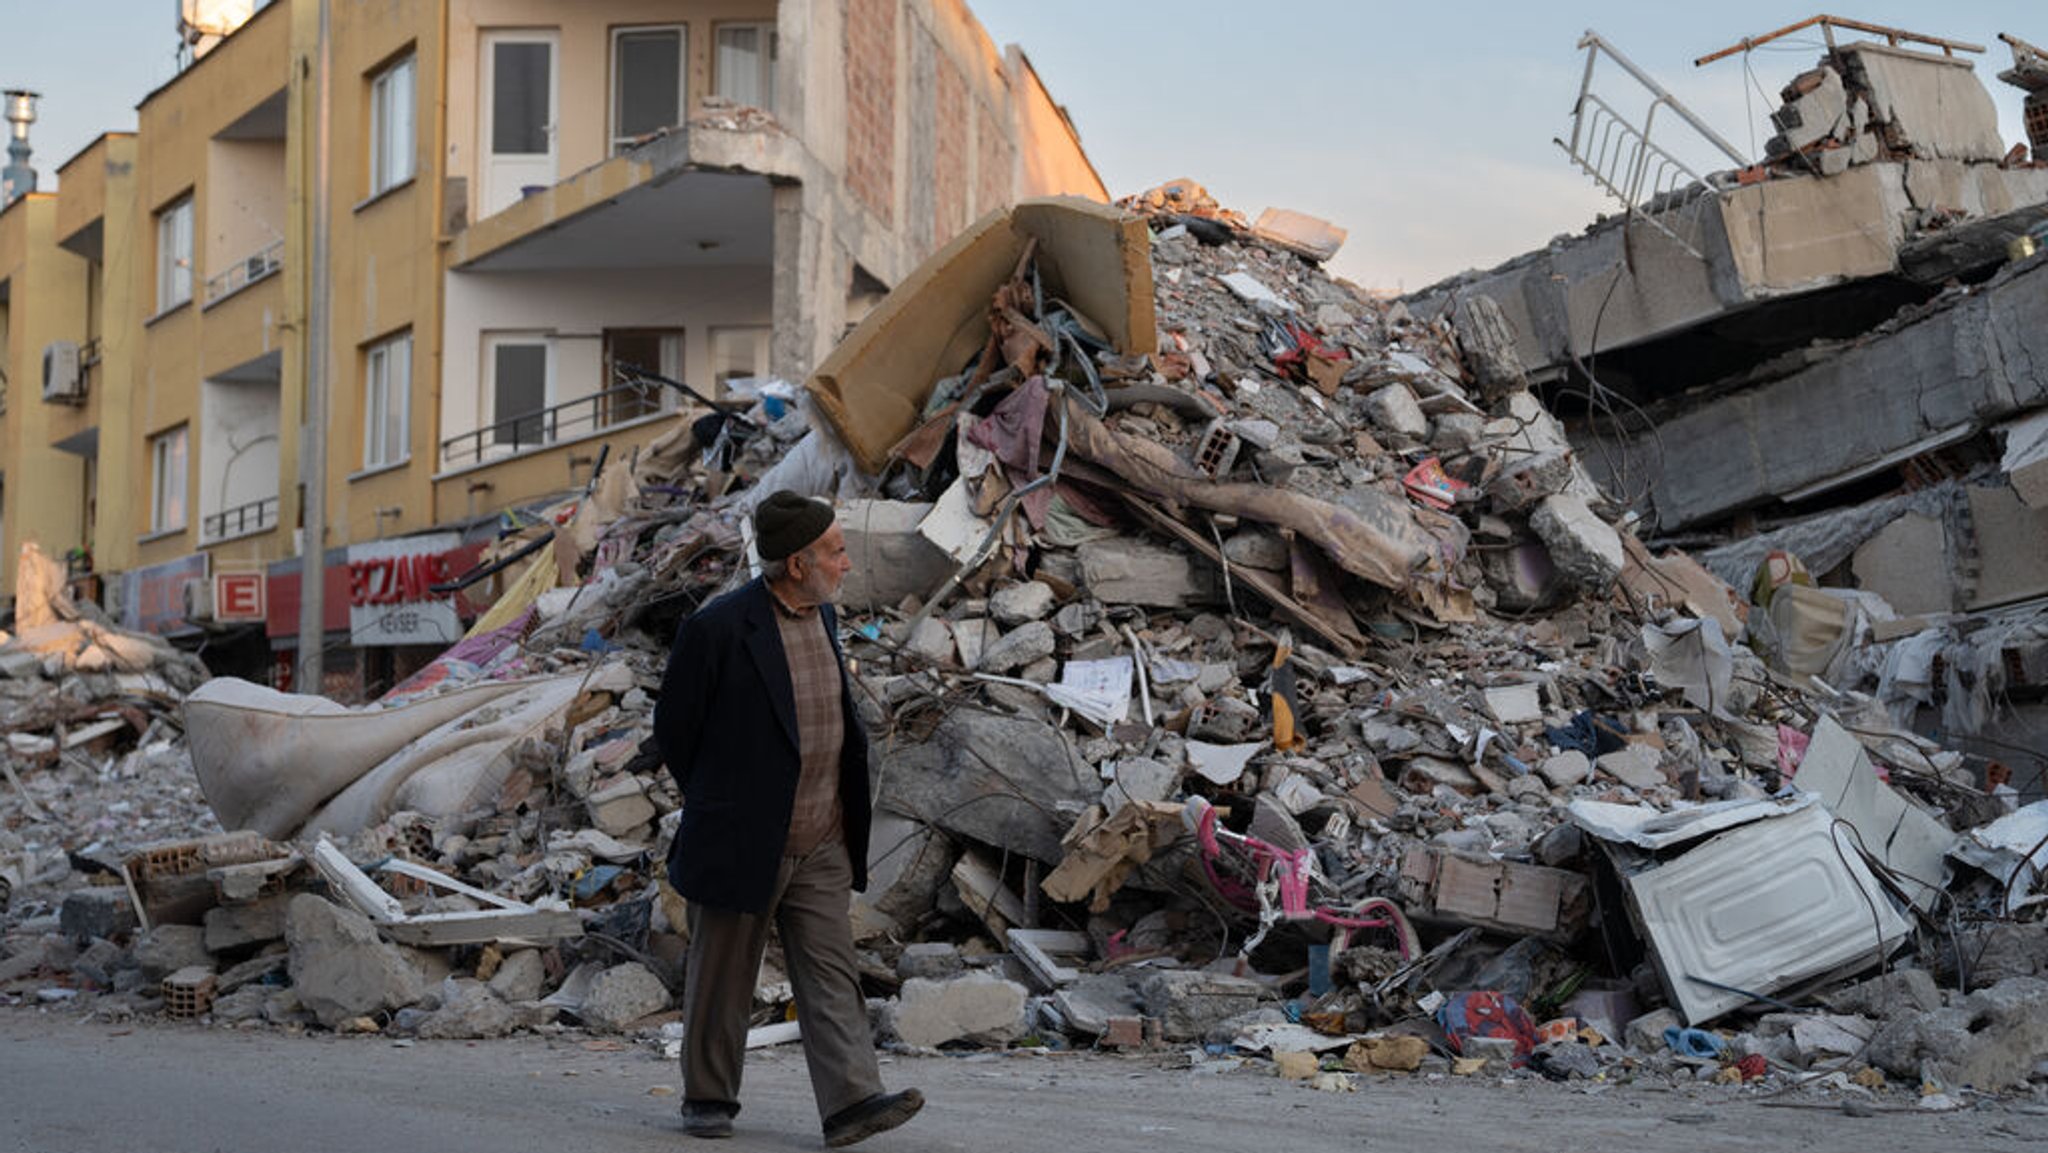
[{"x": 1423, "y": 128}]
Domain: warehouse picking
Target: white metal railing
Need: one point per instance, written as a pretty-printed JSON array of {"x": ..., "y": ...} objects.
[
  {"x": 1621, "y": 157},
  {"x": 243, "y": 273}
]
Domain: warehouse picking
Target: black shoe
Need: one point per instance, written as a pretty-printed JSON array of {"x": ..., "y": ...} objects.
[
  {"x": 708, "y": 1118},
  {"x": 878, "y": 1114}
]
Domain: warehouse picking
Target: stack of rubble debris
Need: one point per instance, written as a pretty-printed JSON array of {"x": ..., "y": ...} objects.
[{"x": 1250, "y": 666}]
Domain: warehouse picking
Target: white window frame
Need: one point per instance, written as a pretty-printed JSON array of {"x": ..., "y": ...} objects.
[
  {"x": 387, "y": 397},
  {"x": 394, "y": 125},
  {"x": 771, "y": 44},
  {"x": 162, "y": 481},
  {"x": 174, "y": 271},
  {"x": 620, "y": 140}
]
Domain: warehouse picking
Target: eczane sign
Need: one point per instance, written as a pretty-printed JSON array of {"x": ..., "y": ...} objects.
[{"x": 390, "y": 592}]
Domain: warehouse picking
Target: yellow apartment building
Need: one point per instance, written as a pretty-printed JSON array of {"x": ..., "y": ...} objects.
[{"x": 520, "y": 201}]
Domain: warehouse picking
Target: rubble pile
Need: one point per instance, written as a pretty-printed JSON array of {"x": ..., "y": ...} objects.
[{"x": 1249, "y": 664}]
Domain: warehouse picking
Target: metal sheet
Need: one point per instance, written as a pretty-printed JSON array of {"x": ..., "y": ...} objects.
[{"x": 1762, "y": 907}]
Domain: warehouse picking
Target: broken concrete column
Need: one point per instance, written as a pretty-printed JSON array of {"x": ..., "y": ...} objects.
[
  {"x": 980, "y": 1008},
  {"x": 339, "y": 967},
  {"x": 1585, "y": 548}
]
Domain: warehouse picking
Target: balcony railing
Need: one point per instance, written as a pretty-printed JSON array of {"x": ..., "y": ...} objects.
[
  {"x": 545, "y": 426},
  {"x": 244, "y": 273},
  {"x": 241, "y": 520}
]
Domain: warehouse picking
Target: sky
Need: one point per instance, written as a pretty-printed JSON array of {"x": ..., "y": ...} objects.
[{"x": 1423, "y": 128}]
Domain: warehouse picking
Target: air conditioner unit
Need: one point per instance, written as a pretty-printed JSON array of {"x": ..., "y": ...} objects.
[
  {"x": 198, "y": 601},
  {"x": 63, "y": 383}
]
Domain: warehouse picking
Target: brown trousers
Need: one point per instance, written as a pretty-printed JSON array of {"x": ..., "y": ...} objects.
[{"x": 809, "y": 909}]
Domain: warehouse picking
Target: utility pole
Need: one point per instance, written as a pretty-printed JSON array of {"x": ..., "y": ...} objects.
[{"x": 313, "y": 439}]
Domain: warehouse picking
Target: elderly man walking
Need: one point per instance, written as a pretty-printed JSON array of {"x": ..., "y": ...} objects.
[{"x": 757, "y": 724}]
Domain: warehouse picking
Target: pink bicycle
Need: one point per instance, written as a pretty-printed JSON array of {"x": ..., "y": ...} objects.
[{"x": 1278, "y": 883}]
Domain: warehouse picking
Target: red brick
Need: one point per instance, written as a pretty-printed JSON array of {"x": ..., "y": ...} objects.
[
  {"x": 993, "y": 159},
  {"x": 871, "y": 104},
  {"x": 949, "y": 176}
]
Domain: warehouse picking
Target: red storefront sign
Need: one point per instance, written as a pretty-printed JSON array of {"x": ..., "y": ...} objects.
[
  {"x": 381, "y": 583},
  {"x": 238, "y": 597}
]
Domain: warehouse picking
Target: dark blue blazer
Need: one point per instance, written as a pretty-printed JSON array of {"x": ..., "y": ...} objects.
[{"x": 726, "y": 726}]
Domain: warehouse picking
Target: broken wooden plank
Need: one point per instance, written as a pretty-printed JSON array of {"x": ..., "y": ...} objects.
[
  {"x": 1252, "y": 579},
  {"x": 982, "y": 890}
]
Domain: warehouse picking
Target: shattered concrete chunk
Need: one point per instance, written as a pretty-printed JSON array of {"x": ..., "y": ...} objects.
[
  {"x": 622, "y": 995},
  {"x": 1190, "y": 1002},
  {"x": 1989, "y": 1041},
  {"x": 980, "y": 1008},
  {"x": 339, "y": 967},
  {"x": 930, "y": 961},
  {"x": 1129, "y": 572},
  {"x": 1566, "y": 769},
  {"x": 1018, "y": 648},
  {"x": 999, "y": 780},
  {"x": 1394, "y": 409},
  {"x": 1585, "y": 548},
  {"x": 234, "y": 926},
  {"x": 1637, "y": 766},
  {"x": 1021, "y": 603},
  {"x": 520, "y": 977},
  {"x": 471, "y": 1010},
  {"x": 166, "y": 949}
]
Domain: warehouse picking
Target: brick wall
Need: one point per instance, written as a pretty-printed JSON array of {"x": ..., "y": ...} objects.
[
  {"x": 993, "y": 160},
  {"x": 871, "y": 104},
  {"x": 950, "y": 168}
]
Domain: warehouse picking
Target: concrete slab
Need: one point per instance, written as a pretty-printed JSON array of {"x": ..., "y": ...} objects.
[
  {"x": 2011, "y": 547},
  {"x": 1906, "y": 564}
]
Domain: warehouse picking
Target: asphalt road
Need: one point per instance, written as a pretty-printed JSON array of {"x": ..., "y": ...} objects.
[{"x": 72, "y": 1086}]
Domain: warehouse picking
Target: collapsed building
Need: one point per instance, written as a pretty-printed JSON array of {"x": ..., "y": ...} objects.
[
  {"x": 1837, "y": 351},
  {"x": 1254, "y": 667}
]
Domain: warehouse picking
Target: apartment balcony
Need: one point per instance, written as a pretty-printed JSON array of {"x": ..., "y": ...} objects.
[
  {"x": 260, "y": 265},
  {"x": 240, "y": 411},
  {"x": 579, "y": 419},
  {"x": 694, "y": 195},
  {"x": 246, "y": 519}
]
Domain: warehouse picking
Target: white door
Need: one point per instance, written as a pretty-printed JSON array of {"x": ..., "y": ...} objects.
[
  {"x": 518, "y": 116},
  {"x": 522, "y": 388}
]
